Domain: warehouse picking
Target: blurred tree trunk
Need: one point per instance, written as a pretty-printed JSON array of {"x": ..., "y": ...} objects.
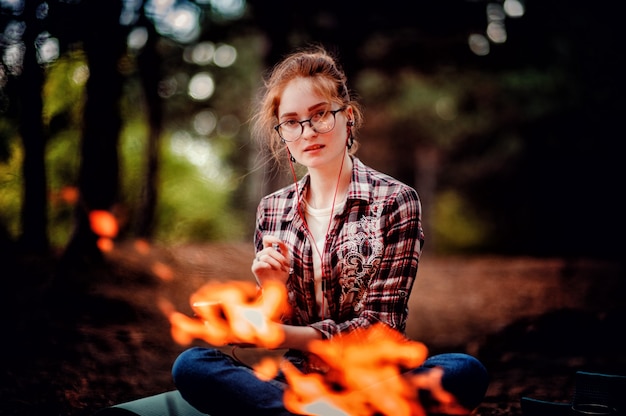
[
  {"x": 34, "y": 222},
  {"x": 149, "y": 71},
  {"x": 104, "y": 45}
]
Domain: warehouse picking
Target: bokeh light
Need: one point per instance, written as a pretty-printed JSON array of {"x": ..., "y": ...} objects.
[
  {"x": 513, "y": 8},
  {"x": 496, "y": 31},
  {"x": 201, "y": 86},
  {"x": 225, "y": 56},
  {"x": 205, "y": 122},
  {"x": 229, "y": 9},
  {"x": 179, "y": 21},
  {"x": 137, "y": 38},
  {"x": 48, "y": 50},
  {"x": 13, "y": 57},
  {"x": 80, "y": 75},
  {"x": 201, "y": 54},
  {"x": 478, "y": 44}
]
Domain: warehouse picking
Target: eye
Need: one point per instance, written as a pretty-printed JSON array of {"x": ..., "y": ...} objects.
[
  {"x": 319, "y": 115},
  {"x": 290, "y": 123}
]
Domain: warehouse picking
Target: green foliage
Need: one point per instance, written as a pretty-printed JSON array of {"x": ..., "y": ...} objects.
[
  {"x": 63, "y": 90},
  {"x": 455, "y": 226},
  {"x": 11, "y": 191},
  {"x": 194, "y": 194},
  {"x": 194, "y": 186},
  {"x": 8, "y": 131},
  {"x": 195, "y": 202}
]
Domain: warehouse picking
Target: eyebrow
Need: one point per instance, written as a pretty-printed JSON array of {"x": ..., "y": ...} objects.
[{"x": 310, "y": 109}]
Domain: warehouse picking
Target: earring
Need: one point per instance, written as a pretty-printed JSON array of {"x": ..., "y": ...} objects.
[{"x": 350, "y": 140}]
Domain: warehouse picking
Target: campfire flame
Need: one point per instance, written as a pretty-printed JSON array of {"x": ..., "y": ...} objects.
[
  {"x": 364, "y": 376},
  {"x": 366, "y": 372},
  {"x": 233, "y": 313}
]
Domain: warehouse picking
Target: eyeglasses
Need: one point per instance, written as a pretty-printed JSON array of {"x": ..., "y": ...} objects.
[{"x": 321, "y": 122}]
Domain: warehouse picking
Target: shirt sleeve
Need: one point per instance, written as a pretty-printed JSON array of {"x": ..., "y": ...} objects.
[{"x": 259, "y": 229}]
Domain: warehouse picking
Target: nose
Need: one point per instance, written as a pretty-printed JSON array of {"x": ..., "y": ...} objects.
[{"x": 308, "y": 130}]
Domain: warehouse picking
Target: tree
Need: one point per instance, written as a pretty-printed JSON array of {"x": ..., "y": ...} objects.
[
  {"x": 99, "y": 170},
  {"x": 34, "y": 208},
  {"x": 149, "y": 63}
]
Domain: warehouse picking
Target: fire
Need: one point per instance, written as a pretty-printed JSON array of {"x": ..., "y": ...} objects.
[
  {"x": 267, "y": 368},
  {"x": 364, "y": 376},
  {"x": 365, "y": 373},
  {"x": 233, "y": 313}
]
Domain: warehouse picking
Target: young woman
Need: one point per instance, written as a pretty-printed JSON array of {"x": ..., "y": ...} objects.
[{"x": 344, "y": 239}]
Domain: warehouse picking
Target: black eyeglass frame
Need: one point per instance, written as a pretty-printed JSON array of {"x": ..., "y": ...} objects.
[{"x": 333, "y": 112}]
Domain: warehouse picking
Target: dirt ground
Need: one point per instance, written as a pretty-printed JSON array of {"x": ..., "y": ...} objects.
[{"x": 71, "y": 350}]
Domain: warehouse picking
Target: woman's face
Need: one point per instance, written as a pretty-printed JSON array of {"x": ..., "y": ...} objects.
[{"x": 313, "y": 149}]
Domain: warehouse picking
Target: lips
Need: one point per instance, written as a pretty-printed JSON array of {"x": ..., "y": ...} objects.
[{"x": 313, "y": 147}]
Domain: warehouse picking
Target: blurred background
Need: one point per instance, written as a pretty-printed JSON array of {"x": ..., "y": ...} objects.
[
  {"x": 124, "y": 124},
  {"x": 504, "y": 115}
]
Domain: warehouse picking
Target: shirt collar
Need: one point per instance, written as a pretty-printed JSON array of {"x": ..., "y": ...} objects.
[{"x": 359, "y": 185}]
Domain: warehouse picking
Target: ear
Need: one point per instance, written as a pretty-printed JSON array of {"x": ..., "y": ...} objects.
[{"x": 350, "y": 116}]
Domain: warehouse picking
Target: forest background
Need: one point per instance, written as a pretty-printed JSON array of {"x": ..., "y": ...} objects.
[
  {"x": 507, "y": 124},
  {"x": 504, "y": 115},
  {"x": 128, "y": 175}
]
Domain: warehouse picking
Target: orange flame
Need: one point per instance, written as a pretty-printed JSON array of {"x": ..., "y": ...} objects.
[
  {"x": 364, "y": 376},
  {"x": 366, "y": 371},
  {"x": 267, "y": 368},
  {"x": 233, "y": 313}
]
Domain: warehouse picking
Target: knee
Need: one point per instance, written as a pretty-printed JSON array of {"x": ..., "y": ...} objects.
[
  {"x": 189, "y": 365},
  {"x": 463, "y": 375},
  {"x": 181, "y": 365}
]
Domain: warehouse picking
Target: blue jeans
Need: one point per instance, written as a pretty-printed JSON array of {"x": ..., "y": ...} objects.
[{"x": 216, "y": 384}]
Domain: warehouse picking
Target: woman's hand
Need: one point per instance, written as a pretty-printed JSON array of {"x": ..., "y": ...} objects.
[{"x": 272, "y": 262}]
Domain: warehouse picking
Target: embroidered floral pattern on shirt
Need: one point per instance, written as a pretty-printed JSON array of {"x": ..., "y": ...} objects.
[{"x": 359, "y": 258}]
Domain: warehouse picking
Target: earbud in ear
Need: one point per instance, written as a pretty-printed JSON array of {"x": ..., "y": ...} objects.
[{"x": 350, "y": 123}]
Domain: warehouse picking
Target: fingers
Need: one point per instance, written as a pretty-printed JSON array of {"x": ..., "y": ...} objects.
[
  {"x": 274, "y": 254},
  {"x": 270, "y": 259}
]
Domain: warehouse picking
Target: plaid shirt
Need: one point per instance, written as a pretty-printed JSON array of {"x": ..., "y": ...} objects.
[{"x": 371, "y": 252}]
